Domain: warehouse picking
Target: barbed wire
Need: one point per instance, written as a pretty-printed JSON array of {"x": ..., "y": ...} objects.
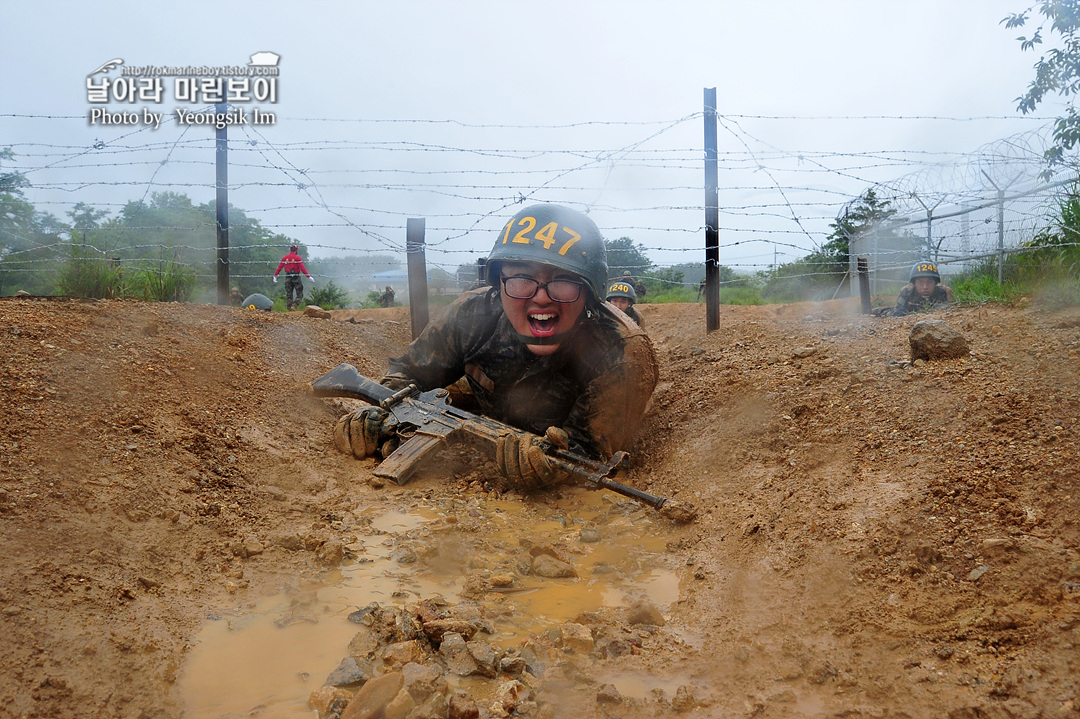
[{"x": 954, "y": 177}]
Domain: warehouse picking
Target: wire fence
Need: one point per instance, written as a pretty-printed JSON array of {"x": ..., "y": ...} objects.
[
  {"x": 968, "y": 213},
  {"x": 348, "y": 187}
]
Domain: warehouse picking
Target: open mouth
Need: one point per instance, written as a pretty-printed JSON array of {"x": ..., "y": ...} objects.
[{"x": 543, "y": 324}]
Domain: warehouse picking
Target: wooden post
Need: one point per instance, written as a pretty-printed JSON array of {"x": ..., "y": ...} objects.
[
  {"x": 712, "y": 217},
  {"x": 864, "y": 285},
  {"x": 222, "y": 203},
  {"x": 417, "y": 262}
]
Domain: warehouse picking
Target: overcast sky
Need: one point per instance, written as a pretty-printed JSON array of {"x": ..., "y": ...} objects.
[{"x": 594, "y": 104}]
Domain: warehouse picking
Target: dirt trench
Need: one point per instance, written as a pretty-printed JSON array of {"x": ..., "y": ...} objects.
[{"x": 875, "y": 538}]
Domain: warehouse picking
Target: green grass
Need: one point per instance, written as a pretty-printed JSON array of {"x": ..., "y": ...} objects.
[
  {"x": 728, "y": 296},
  {"x": 89, "y": 273},
  {"x": 982, "y": 288}
]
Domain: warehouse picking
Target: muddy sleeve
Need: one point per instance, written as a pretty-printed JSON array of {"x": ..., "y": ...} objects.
[
  {"x": 437, "y": 357},
  {"x": 606, "y": 418},
  {"x": 432, "y": 359},
  {"x": 902, "y": 301}
]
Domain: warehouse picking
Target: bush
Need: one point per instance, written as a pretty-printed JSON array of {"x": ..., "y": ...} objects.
[
  {"x": 329, "y": 297},
  {"x": 163, "y": 281},
  {"x": 89, "y": 273}
]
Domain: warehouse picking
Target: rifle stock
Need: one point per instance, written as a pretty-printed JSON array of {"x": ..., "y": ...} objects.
[{"x": 425, "y": 420}]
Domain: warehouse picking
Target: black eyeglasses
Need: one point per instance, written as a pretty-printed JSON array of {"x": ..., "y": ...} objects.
[{"x": 521, "y": 287}]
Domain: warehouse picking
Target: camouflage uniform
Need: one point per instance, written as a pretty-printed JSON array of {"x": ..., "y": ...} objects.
[
  {"x": 294, "y": 290},
  {"x": 632, "y": 313},
  {"x": 595, "y": 386},
  {"x": 911, "y": 301}
]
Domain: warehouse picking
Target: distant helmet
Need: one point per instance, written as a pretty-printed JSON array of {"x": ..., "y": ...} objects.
[
  {"x": 626, "y": 273},
  {"x": 924, "y": 269},
  {"x": 294, "y": 248},
  {"x": 552, "y": 235},
  {"x": 389, "y": 288},
  {"x": 622, "y": 289},
  {"x": 258, "y": 302}
]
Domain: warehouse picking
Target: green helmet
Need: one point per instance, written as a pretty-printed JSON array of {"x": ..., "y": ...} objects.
[
  {"x": 619, "y": 288},
  {"x": 258, "y": 302},
  {"x": 552, "y": 235},
  {"x": 924, "y": 269}
]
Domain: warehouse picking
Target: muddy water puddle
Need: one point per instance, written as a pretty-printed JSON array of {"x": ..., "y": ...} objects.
[{"x": 265, "y": 660}]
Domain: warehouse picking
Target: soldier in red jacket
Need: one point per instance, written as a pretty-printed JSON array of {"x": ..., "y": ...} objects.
[{"x": 294, "y": 286}]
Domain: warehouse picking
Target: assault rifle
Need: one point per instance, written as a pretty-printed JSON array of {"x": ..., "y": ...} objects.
[{"x": 426, "y": 420}]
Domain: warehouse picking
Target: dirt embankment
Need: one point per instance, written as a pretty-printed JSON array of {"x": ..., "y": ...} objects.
[{"x": 875, "y": 539}]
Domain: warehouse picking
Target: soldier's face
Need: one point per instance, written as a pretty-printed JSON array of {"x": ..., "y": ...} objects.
[
  {"x": 539, "y": 315},
  {"x": 925, "y": 286},
  {"x": 623, "y": 303}
]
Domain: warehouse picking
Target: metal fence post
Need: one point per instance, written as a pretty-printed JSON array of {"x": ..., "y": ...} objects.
[{"x": 417, "y": 262}]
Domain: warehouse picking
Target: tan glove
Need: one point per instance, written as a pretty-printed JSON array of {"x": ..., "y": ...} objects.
[
  {"x": 521, "y": 459},
  {"x": 359, "y": 433}
]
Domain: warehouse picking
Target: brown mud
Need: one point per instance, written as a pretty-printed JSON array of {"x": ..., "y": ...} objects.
[{"x": 874, "y": 538}]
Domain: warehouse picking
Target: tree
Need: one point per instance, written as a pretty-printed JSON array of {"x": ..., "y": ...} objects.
[
  {"x": 84, "y": 217},
  {"x": 623, "y": 255},
  {"x": 1057, "y": 71},
  {"x": 28, "y": 238},
  {"x": 865, "y": 214},
  {"x": 817, "y": 276},
  {"x": 11, "y": 182}
]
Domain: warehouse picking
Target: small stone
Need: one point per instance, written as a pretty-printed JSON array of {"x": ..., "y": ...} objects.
[
  {"x": 684, "y": 700},
  {"x": 456, "y": 655},
  {"x": 590, "y": 535},
  {"x": 509, "y": 695},
  {"x": 644, "y": 613},
  {"x": 977, "y": 573},
  {"x": 996, "y": 545},
  {"x": 486, "y": 659},
  {"x": 400, "y": 706},
  {"x": 401, "y": 653},
  {"x": 316, "y": 312},
  {"x": 370, "y": 702},
  {"x": 544, "y": 565},
  {"x": 608, "y": 694},
  {"x": 678, "y": 512},
  {"x": 347, "y": 674},
  {"x": 576, "y": 636},
  {"x": 462, "y": 707},
  {"x": 512, "y": 666},
  {"x": 436, "y": 629},
  {"x": 936, "y": 339},
  {"x": 423, "y": 680},
  {"x": 325, "y": 697}
]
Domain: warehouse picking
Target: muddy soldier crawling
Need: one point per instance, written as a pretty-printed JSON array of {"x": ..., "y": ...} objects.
[
  {"x": 539, "y": 350},
  {"x": 924, "y": 291}
]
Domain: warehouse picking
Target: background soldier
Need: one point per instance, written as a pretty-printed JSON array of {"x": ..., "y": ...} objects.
[
  {"x": 539, "y": 350},
  {"x": 623, "y": 296},
  {"x": 924, "y": 291},
  {"x": 637, "y": 284},
  {"x": 386, "y": 299},
  {"x": 294, "y": 286}
]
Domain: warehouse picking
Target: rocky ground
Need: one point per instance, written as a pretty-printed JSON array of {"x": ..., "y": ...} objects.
[{"x": 875, "y": 537}]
